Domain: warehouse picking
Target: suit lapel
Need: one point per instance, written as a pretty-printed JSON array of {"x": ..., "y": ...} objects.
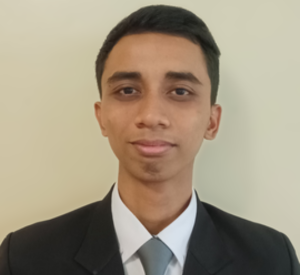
[
  {"x": 207, "y": 253},
  {"x": 99, "y": 252},
  {"x": 100, "y": 255}
]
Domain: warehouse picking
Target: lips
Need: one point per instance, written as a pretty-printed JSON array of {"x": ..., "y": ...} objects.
[
  {"x": 152, "y": 142},
  {"x": 153, "y": 147}
]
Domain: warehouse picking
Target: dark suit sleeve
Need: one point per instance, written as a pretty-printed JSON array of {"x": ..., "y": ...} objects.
[
  {"x": 4, "y": 256},
  {"x": 295, "y": 266}
]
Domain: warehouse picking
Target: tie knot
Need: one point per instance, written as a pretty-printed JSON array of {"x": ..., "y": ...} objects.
[{"x": 155, "y": 256}]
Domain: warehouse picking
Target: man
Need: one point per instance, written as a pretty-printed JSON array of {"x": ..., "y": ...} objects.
[{"x": 158, "y": 75}]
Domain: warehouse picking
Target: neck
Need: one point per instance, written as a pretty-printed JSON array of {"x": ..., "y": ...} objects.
[{"x": 155, "y": 204}]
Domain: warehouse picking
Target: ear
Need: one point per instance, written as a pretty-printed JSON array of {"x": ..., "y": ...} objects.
[
  {"x": 98, "y": 115},
  {"x": 214, "y": 122}
]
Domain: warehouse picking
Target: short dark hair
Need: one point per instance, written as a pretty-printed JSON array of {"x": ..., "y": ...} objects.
[{"x": 168, "y": 20}]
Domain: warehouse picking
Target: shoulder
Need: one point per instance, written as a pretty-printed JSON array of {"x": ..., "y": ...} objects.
[
  {"x": 71, "y": 223},
  {"x": 254, "y": 248},
  {"x": 50, "y": 239},
  {"x": 243, "y": 237},
  {"x": 233, "y": 224}
]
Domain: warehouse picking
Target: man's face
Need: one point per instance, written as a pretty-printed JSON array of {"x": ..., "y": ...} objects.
[{"x": 155, "y": 107}]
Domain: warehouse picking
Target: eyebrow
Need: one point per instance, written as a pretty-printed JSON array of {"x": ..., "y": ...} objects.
[
  {"x": 183, "y": 76},
  {"x": 171, "y": 75},
  {"x": 118, "y": 76}
]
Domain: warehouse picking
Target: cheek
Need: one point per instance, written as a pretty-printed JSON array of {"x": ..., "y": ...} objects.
[
  {"x": 194, "y": 131},
  {"x": 113, "y": 121},
  {"x": 117, "y": 128}
]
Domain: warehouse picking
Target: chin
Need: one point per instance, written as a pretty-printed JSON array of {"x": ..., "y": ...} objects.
[{"x": 152, "y": 173}]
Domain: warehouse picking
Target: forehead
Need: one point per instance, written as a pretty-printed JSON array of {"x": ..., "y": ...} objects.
[{"x": 150, "y": 53}]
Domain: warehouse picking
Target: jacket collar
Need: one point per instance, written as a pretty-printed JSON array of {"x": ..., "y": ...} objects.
[
  {"x": 100, "y": 254},
  {"x": 207, "y": 253}
]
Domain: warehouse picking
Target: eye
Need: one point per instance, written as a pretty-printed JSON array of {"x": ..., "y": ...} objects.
[
  {"x": 181, "y": 91},
  {"x": 128, "y": 91}
]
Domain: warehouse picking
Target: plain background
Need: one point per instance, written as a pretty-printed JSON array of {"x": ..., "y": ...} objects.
[{"x": 53, "y": 158}]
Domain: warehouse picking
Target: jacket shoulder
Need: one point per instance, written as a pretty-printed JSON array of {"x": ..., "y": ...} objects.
[
  {"x": 234, "y": 223},
  {"x": 262, "y": 245},
  {"x": 243, "y": 230},
  {"x": 54, "y": 239},
  {"x": 64, "y": 225}
]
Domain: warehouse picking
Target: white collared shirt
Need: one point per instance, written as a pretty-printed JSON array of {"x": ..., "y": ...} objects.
[{"x": 132, "y": 235}]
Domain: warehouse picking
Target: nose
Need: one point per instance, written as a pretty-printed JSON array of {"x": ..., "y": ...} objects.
[{"x": 152, "y": 112}]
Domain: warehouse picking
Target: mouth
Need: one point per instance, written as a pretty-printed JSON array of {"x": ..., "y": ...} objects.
[{"x": 152, "y": 148}]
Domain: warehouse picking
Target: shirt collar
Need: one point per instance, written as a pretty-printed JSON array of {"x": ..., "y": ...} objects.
[
  {"x": 177, "y": 235},
  {"x": 132, "y": 234}
]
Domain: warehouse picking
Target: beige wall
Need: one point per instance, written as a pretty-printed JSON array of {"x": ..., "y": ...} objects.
[{"x": 52, "y": 156}]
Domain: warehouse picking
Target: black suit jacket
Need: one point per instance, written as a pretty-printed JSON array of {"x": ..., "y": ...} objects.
[{"x": 84, "y": 242}]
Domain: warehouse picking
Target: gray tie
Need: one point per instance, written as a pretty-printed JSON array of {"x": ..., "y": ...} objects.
[{"x": 155, "y": 257}]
